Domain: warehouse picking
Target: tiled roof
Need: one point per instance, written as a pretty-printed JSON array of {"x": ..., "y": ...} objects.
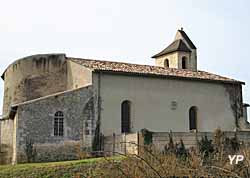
[
  {"x": 137, "y": 69},
  {"x": 177, "y": 45},
  {"x": 190, "y": 43}
]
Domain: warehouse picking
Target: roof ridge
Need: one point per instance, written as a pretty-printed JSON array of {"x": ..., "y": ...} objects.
[
  {"x": 146, "y": 65},
  {"x": 142, "y": 69},
  {"x": 73, "y": 58}
]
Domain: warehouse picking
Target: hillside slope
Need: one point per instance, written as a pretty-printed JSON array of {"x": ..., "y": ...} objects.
[{"x": 68, "y": 169}]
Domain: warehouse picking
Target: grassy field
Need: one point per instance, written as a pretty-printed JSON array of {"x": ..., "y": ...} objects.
[
  {"x": 67, "y": 169},
  {"x": 210, "y": 159}
]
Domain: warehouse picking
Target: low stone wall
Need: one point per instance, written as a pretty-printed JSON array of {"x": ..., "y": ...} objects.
[
  {"x": 130, "y": 143},
  {"x": 60, "y": 152},
  {"x": 68, "y": 150},
  {"x": 123, "y": 143},
  {"x": 161, "y": 139}
]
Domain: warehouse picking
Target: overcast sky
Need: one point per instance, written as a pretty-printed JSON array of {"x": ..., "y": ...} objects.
[{"x": 128, "y": 30}]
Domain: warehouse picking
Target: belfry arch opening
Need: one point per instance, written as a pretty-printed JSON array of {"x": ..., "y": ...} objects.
[
  {"x": 166, "y": 63},
  {"x": 184, "y": 62}
]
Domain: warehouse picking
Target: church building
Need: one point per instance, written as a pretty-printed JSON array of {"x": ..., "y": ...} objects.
[{"x": 52, "y": 100}]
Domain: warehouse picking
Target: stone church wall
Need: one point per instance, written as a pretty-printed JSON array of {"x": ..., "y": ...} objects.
[
  {"x": 34, "y": 77},
  {"x": 152, "y": 103},
  {"x": 6, "y": 145},
  {"x": 41, "y": 75},
  {"x": 36, "y": 120},
  {"x": 77, "y": 75}
]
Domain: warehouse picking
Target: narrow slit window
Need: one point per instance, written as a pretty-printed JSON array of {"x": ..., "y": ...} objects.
[
  {"x": 126, "y": 116},
  {"x": 193, "y": 118}
]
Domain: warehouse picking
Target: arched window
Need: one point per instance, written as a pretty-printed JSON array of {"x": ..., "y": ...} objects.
[
  {"x": 193, "y": 118},
  {"x": 184, "y": 63},
  {"x": 126, "y": 116},
  {"x": 58, "y": 123},
  {"x": 166, "y": 63}
]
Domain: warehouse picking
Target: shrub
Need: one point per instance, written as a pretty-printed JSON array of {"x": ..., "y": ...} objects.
[
  {"x": 147, "y": 135},
  {"x": 235, "y": 144},
  {"x": 181, "y": 151},
  {"x": 206, "y": 147},
  {"x": 30, "y": 151},
  {"x": 82, "y": 153},
  {"x": 170, "y": 147}
]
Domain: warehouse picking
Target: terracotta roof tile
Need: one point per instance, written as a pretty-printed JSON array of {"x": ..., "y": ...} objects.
[
  {"x": 121, "y": 67},
  {"x": 177, "y": 45}
]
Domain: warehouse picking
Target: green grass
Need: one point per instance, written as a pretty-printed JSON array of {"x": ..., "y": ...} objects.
[{"x": 65, "y": 169}]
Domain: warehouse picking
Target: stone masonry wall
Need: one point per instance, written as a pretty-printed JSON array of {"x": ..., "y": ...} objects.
[
  {"x": 131, "y": 143},
  {"x": 34, "y": 77},
  {"x": 6, "y": 141},
  {"x": 121, "y": 144},
  {"x": 160, "y": 139},
  {"x": 36, "y": 123},
  {"x": 77, "y": 75}
]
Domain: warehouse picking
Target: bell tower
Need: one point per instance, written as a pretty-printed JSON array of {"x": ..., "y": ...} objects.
[{"x": 180, "y": 54}]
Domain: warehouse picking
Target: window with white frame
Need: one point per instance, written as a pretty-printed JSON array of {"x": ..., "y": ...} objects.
[{"x": 58, "y": 124}]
